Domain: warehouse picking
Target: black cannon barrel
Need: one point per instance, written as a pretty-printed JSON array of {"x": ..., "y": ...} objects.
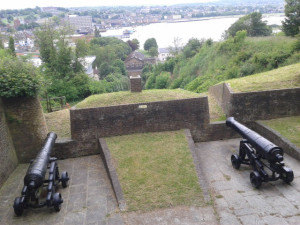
[
  {"x": 266, "y": 148},
  {"x": 37, "y": 170}
]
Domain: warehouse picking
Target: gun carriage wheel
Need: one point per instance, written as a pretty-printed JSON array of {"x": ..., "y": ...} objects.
[
  {"x": 287, "y": 175},
  {"x": 56, "y": 202},
  {"x": 236, "y": 161},
  {"x": 255, "y": 179},
  {"x": 64, "y": 179},
  {"x": 18, "y": 206}
]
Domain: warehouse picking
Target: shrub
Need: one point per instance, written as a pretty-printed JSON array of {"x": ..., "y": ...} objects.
[
  {"x": 18, "y": 79},
  {"x": 162, "y": 80}
]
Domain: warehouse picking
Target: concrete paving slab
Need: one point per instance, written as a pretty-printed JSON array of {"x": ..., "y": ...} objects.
[
  {"x": 236, "y": 201},
  {"x": 86, "y": 199}
]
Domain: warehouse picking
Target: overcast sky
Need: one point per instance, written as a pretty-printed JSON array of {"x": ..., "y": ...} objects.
[{"x": 20, "y": 4}]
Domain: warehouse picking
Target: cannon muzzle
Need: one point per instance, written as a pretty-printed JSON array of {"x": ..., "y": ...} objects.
[{"x": 264, "y": 147}]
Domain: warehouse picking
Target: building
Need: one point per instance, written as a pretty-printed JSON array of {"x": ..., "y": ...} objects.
[
  {"x": 163, "y": 54},
  {"x": 135, "y": 63},
  {"x": 81, "y": 24},
  {"x": 87, "y": 62}
]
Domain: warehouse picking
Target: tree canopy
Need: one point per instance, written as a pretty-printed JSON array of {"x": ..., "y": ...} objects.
[
  {"x": 150, "y": 43},
  {"x": 18, "y": 79},
  {"x": 291, "y": 24},
  {"x": 252, "y": 23}
]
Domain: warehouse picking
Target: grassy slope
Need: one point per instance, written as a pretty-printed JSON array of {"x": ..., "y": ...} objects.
[
  {"x": 284, "y": 77},
  {"x": 155, "y": 170},
  {"x": 214, "y": 64},
  {"x": 126, "y": 97},
  {"x": 59, "y": 122},
  {"x": 288, "y": 127}
]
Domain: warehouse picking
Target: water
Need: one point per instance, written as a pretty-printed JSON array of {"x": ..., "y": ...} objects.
[{"x": 166, "y": 33}]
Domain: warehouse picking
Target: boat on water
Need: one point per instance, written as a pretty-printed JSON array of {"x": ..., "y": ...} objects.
[{"x": 128, "y": 32}]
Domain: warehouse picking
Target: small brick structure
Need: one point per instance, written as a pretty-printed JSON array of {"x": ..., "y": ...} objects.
[{"x": 135, "y": 83}]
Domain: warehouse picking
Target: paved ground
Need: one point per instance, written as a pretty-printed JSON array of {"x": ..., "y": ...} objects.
[
  {"x": 235, "y": 199},
  {"x": 88, "y": 199}
]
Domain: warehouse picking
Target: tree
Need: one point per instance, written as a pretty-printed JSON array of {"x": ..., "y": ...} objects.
[
  {"x": 11, "y": 46},
  {"x": 291, "y": 24},
  {"x": 97, "y": 32},
  {"x": 18, "y": 79},
  {"x": 149, "y": 43},
  {"x": 153, "y": 51},
  {"x": 134, "y": 44},
  {"x": 252, "y": 23},
  {"x": 192, "y": 47}
]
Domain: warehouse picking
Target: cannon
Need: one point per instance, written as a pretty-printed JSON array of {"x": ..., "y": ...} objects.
[
  {"x": 36, "y": 185},
  {"x": 261, "y": 154}
]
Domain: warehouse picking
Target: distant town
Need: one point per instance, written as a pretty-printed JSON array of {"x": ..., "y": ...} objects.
[{"x": 85, "y": 21}]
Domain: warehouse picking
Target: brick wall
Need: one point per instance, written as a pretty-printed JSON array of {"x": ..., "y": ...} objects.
[
  {"x": 93, "y": 123},
  {"x": 27, "y": 126},
  {"x": 8, "y": 157},
  {"x": 250, "y": 106}
]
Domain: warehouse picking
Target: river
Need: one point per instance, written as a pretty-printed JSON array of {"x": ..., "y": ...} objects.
[{"x": 166, "y": 33}]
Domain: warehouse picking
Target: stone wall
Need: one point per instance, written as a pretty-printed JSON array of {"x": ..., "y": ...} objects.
[
  {"x": 135, "y": 84},
  {"x": 8, "y": 157},
  {"x": 27, "y": 126},
  {"x": 251, "y": 106},
  {"x": 93, "y": 123},
  {"x": 277, "y": 139}
]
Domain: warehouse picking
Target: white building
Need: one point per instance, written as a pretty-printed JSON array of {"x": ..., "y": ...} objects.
[
  {"x": 87, "y": 62},
  {"x": 163, "y": 54}
]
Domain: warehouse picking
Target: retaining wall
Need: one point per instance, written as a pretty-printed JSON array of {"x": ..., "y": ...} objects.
[
  {"x": 277, "y": 139},
  {"x": 27, "y": 126},
  {"x": 251, "y": 106},
  {"x": 8, "y": 157},
  {"x": 93, "y": 123}
]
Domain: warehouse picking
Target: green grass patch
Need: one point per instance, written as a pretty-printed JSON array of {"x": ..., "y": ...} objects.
[
  {"x": 284, "y": 77},
  {"x": 289, "y": 127},
  {"x": 127, "y": 97},
  {"x": 59, "y": 122},
  {"x": 156, "y": 170}
]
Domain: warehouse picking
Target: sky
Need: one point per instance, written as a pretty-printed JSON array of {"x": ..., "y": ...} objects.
[{"x": 20, "y": 4}]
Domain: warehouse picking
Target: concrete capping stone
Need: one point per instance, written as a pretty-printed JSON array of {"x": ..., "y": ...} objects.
[
  {"x": 112, "y": 174},
  {"x": 200, "y": 174},
  {"x": 275, "y": 137}
]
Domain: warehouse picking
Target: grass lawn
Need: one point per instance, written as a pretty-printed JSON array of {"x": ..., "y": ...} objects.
[
  {"x": 126, "y": 97},
  {"x": 284, "y": 77},
  {"x": 59, "y": 122},
  {"x": 289, "y": 127},
  {"x": 155, "y": 170}
]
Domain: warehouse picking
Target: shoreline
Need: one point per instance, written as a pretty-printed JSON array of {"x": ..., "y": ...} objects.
[{"x": 196, "y": 19}]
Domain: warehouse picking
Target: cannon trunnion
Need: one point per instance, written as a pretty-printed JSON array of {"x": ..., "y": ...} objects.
[
  {"x": 260, "y": 154},
  {"x": 35, "y": 183}
]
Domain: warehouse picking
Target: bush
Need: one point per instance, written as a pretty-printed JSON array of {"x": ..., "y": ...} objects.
[
  {"x": 162, "y": 80},
  {"x": 18, "y": 79}
]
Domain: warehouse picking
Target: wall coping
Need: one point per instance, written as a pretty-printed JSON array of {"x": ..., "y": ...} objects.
[
  {"x": 136, "y": 104},
  {"x": 254, "y": 92},
  {"x": 112, "y": 174}
]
